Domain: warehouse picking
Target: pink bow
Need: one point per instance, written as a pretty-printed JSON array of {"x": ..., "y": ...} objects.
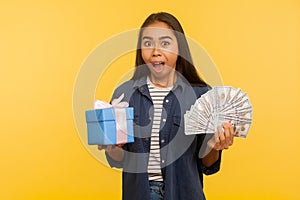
[
  {"x": 116, "y": 103},
  {"x": 120, "y": 113}
]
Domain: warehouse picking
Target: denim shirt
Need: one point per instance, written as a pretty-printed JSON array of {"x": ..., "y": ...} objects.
[{"x": 180, "y": 154}]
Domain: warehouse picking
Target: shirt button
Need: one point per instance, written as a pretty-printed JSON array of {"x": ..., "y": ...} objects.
[
  {"x": 162, "y": 141},
  {"x": 164, "y": 120},
  {"x": 150, "y": 118},
  {"x": 163, "y": 161},
  {"x": 167, "y": 100}
]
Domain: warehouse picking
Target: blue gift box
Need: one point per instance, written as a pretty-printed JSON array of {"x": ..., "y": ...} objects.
[{"x": 101, "y": 126}]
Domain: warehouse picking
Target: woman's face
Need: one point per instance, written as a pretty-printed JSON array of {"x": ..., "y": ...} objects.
[{"x": 159, "y": 49}]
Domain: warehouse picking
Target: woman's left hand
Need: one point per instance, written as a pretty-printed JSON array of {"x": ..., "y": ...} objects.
[{"x": 222, "y": 139}]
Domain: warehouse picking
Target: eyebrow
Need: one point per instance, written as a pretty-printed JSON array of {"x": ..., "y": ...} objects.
[{"x": 160, "y": 38}]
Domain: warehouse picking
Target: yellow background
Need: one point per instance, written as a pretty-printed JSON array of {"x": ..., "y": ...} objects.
[{"x": 255, "y": 45}]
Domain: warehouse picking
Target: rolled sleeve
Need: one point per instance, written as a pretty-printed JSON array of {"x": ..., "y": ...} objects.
[
  {"x": 214, "y": 168},
  {"x": 114, "y": 163}
]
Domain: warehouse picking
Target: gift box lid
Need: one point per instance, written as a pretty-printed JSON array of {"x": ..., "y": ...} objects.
[{"x": 106, "y": 114}]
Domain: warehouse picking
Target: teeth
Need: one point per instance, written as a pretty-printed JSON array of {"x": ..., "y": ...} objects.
[{"x": 158, "y": 63}]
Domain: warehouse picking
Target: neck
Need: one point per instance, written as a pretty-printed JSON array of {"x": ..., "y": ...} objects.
[{"x": 164, "y": 83}]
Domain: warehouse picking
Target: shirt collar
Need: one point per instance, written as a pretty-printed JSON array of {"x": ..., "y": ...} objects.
[{"x": 140, "y": 82}]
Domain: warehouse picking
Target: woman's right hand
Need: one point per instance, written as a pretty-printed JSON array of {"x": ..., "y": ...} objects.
[
  {"x": 109, "y": 147},
  {"x": 105, "y": 147},
  {"x": 114, "y": 151}
]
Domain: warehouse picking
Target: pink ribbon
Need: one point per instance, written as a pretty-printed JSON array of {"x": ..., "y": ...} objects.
[{"x": 120, "y": 113}]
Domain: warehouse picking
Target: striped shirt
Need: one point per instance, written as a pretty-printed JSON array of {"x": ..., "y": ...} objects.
[{"x": 157, "y": 95}]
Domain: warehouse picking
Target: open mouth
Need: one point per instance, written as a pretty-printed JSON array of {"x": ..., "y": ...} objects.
[{"x": 158, "y": 64}]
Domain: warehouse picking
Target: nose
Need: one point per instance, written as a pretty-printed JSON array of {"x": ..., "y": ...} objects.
[{"x": 156, "y": 51}]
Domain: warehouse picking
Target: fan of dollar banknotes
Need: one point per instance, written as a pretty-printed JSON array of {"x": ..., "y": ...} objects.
[{"x": 218, "y": 105}]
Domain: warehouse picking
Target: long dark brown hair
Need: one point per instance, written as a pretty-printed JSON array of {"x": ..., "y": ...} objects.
[{"x": 184, "y": 63}]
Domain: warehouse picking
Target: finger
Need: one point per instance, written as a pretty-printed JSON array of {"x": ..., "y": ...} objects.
[
  {"x": 231, "y": 134},
  {"x": 101, "y": 147},
  {"x": 237, "y": 131},
  {"x": 213, "y": 141},
  {"x": 223, "y": 141},
  {"x": 226, "y": 134},
  {"x": 120, "y": 145},
  {"x": 221, "y": 138},
  {"x": 217, "y": 145},
  {"x": 231, "y": 128},
  {"x": 110, "y": 148}
]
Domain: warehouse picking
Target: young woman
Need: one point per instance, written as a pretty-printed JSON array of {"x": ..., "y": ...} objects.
[{"x": 163, "y": 162}]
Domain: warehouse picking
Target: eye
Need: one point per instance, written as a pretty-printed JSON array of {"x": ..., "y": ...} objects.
[
  {"x": 165, "y": 43},
  {"x": 147, "y": 43}
]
